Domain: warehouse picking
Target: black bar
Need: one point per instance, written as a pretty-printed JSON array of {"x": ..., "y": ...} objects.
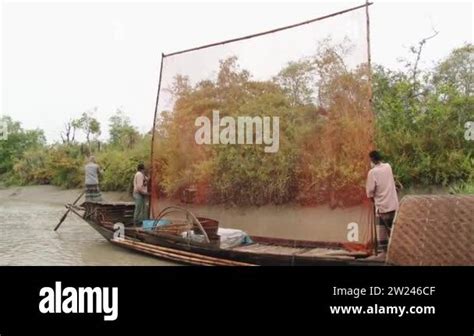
[{"x": 204, "y": 299}]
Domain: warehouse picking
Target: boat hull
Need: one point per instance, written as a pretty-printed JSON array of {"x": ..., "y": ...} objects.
[{"x": 265, "y": 252}]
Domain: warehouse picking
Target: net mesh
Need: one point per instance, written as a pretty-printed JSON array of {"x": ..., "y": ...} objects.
[{"x": 270, "y": 134}]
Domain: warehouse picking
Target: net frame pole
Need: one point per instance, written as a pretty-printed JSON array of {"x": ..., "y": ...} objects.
[
  {"x": 369, "y": 56},
  {"x": 150, "y": 207},
  {"x": 372, "y": 116},
  {"x": 366, "y": 4}
]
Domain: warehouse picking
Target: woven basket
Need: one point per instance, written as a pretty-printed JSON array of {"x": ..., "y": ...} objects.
[
  {"x": 211, "y": 226},
  {"x": 433, "y": 230}
]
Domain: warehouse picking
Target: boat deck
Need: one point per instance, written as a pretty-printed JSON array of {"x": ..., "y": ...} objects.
[
  {"x": 298, "y": 251},
  {"x": 270, "y": 249}
]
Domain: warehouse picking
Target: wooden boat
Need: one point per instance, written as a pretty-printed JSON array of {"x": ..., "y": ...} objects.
[{"x": 114, "y": 221}]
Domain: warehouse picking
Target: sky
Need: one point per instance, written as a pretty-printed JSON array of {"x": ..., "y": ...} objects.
[{"x": 61, "y": 59}]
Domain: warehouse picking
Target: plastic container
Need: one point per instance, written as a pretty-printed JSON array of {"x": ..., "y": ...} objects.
[{"x": 150, "y": 224}]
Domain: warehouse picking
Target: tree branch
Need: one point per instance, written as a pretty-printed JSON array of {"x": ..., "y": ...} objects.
[{"x": 421, "y": 44}]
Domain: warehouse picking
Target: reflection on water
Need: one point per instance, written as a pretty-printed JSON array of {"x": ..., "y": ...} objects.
[{"x": 27, "y": 238}]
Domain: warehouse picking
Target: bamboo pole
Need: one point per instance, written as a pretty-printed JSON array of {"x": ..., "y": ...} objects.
[
  {"x": 150, "y": 206},
  {"x": 269, "y": 31},
  {"x": 223, "y": 262},
  {"x": 186, "y": 253},
  {"x": 67, "y": 212},
  {"x": 178, "y": 255},
  {"x": 173, "y": 256},
  {"x": 372, "y": 116}
]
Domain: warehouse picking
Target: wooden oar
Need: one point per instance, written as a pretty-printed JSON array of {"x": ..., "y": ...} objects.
[{"x": 67, "y": 212}]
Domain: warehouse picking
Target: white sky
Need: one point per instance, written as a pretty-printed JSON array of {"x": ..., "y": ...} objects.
[{"x": 61, "y": 59}]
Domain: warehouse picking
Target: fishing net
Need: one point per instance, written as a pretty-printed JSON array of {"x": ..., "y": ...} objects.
[{"x": 270, "y": 133}]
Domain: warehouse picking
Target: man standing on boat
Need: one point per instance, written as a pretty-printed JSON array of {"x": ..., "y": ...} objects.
[
  {"x": 140, "y": 193},
  {"x": 381, "y": 190},
  {"x": 92, "y": 173}
]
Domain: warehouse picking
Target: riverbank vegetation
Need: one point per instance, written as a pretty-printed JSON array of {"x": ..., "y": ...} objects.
[
  {"x": 27, "y": 158},
  {"x": 420, "y": 127}
]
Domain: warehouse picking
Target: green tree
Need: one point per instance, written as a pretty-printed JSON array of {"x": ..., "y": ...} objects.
[
  {"x": 297, "y": 79},
  {"x": 18, "y": 141},
  {"x": 122, "y": 133},
  {"x": 121, "y": 164},
  {"x": 68, "y": 135},
  {"x": 89, "y": 125},
  {"x": 457, "y": 70},
  {"x": 422, "y": 134}
]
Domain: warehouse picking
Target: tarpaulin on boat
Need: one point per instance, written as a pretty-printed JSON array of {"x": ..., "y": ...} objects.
[
  {"x": 228, "y": 237},
  {"x": 270, "y": 133}
]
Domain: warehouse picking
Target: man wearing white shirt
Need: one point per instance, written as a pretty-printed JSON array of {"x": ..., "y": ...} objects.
[{"x": 381, "y": 190}]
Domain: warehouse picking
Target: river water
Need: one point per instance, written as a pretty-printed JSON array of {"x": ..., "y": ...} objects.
[{"x": 28, "y": 216}]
